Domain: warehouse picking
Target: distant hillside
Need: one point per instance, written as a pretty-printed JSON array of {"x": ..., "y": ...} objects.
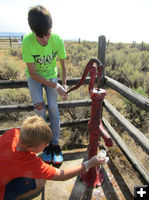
[
  {"x": 18, "y": 34},
  {"x": 12, "y": 34}
]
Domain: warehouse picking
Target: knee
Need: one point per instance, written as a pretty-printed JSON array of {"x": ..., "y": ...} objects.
[
  {"x": 39, "y": 106},
  {"x": 40, "y": 183}
]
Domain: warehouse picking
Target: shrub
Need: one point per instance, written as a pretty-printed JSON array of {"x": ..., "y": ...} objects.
[
  {"x": 137, "y": 116},
  {"x": 14, "y": 96},
  {"x": 16, "y": 52},
  {"x": 8, "y": 70}
]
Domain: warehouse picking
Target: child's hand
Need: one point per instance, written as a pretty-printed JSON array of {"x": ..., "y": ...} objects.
[
  {"x": 65, "y": 87},
  {"x": 94, "y": 162},
  {"x": 61, "y": 91}
]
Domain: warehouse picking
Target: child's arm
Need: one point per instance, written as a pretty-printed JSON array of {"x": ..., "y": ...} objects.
[
  {"x": 62, "y": 175},
  {"x": 32, "y": 71},
  {"x": 63, "y": 72},
  {"x": 37, "y": 77}
]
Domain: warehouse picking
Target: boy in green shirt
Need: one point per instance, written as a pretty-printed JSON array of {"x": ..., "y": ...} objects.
[{"x": 40, "y": 49}]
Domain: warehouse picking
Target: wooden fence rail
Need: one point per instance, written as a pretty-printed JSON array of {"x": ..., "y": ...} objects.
[
  {"x": 132, "y": 131},
  {"x": 130, "y": 94},
  {"x": 130, "y": 156},
  {"x": 22, "y": 107},
  {"x": 62, "y": 124},
  {"x": 5, "y": 84},
  {"x": 9, "y": 41}
]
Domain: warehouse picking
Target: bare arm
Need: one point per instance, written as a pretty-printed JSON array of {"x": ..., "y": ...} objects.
[
  {"x": 32, "y": 71},
  {"x": 63, "y": 71},
  {"x": 37, "y": 77},
  {"x": 62, "y": 175}
]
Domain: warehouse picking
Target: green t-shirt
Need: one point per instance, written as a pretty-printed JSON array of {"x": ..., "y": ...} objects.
[{"x": 44, "y": 57}]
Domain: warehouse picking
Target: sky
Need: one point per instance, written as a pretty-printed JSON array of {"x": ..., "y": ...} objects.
[{"x": 118, "y": 20}]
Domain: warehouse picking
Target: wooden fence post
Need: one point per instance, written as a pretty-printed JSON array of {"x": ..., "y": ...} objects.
[
  {"x": 10, "y": 41},
  {"x": 101, "y": 55}
]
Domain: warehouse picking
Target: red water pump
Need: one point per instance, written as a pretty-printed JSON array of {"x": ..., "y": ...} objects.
[{"x": 94, "y": 177}]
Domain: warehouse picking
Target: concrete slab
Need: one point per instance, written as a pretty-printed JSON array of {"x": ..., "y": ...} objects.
[{"x": 75, "y": 189}]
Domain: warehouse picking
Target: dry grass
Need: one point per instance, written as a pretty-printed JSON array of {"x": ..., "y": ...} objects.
[{"x": 7, "y": 57}]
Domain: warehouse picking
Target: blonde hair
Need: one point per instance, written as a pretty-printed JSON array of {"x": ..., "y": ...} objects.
[{"x": 35, "y": 131}]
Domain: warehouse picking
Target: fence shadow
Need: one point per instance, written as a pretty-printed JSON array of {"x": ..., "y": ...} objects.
[
  {"x": 120, "y": 181},
  {"x": 68, "y": 156}
]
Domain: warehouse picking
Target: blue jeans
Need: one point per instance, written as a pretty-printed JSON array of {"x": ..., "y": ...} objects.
[{"x": 36, "y": 93}]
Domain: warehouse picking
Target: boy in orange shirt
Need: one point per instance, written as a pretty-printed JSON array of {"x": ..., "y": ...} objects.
[{"x": 22, "y": 173}]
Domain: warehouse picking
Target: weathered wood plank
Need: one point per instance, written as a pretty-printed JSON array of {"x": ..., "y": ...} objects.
[
  {"x": 133, "y": 132},
  {"x": 101, "y": 56},
  {"x": 130, "y": 156},
  {"x": 131, "y": 95},
  {"x": 5, "y": 84},
  {"x": 128, "y": 93},
  {"x": 22, "y": 107},
  {"x": 62, "y": 124}
]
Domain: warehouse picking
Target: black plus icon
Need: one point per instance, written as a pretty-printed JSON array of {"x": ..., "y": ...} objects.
[{"x": 141, "y": 192}]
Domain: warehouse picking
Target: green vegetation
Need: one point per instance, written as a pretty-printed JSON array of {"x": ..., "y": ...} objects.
[
  {"x": 137, "y": 116},
  {"x": 8, "y": 70},
  {"x": 130, "y": 66}
]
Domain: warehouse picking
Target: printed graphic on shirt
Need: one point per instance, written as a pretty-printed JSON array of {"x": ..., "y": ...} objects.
[{"x": 45, "y": 59}]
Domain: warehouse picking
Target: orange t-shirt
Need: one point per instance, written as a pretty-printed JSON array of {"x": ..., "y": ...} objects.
[{"x": 14, "y": 164}]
